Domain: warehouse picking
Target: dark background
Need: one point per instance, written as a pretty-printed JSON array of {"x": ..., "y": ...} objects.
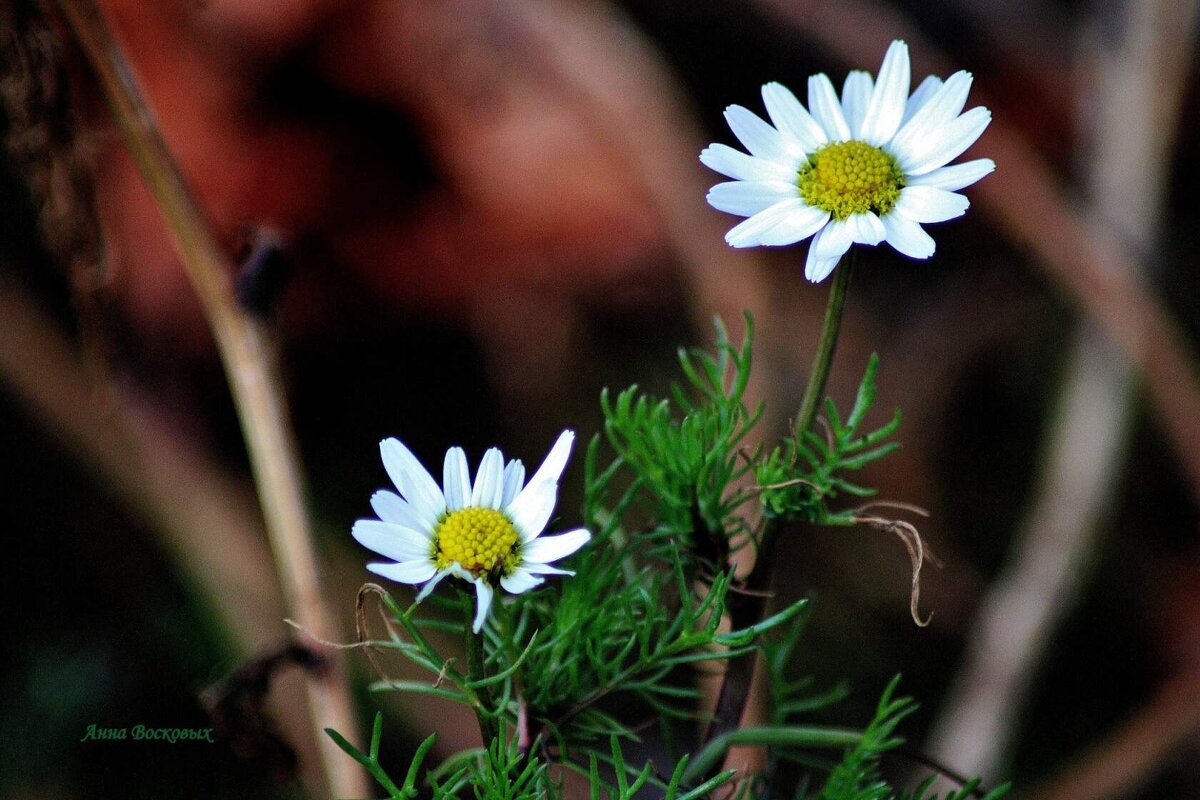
[{"x": 492, "y": 211}]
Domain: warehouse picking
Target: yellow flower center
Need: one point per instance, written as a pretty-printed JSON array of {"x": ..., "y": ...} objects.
[
  {"x": 480, "y": 540},
  {"x": 847, "y": 178}
]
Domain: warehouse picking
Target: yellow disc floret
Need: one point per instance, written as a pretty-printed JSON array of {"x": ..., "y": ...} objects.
[
  {"x": 480, "y": 540},
  {"x": 853, "y": 177}
]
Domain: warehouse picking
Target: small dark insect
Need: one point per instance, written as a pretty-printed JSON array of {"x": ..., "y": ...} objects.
[{"x": 266, "y": 269}]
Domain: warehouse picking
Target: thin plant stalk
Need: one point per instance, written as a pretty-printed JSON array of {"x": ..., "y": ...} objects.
[
  {"x": 814, "y": 393},
  {"x": 746, "y": 608},
  {"x": 489, "y": 729},
  {"x": 250, "y": 362}
]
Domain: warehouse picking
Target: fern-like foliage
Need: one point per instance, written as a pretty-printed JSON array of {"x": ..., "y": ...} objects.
[
  {"x": 792, "y": 698},
  {"x": 968, "y": 791},
  {"x": 505, "y": 774},
  {"x": 801, "y": 476},
  {"x": 857, "y": 776},
  {"x": 405, "y": 790},
  {"x": 686, "y": 455},
  {"x": 557, "y": 659},
  {"x": 557, "y": 670}
]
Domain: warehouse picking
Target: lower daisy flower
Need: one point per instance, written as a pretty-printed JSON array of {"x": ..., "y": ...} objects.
[
  {"x": 488, "y": 532},
  {"x": 868, "y": 168}
]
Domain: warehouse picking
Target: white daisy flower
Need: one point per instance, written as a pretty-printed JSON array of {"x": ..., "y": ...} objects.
[
  {"x": 866, "y": 169},
  {"x": 487, "y": 533}
]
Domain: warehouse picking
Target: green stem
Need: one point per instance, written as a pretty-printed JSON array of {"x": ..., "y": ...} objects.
[
  {"x": 746, "y": 608},
  {"x": 815, "y": 392},
  {"x": 485, "y": 711}
]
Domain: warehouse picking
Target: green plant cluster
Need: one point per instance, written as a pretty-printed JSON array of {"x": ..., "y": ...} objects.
[
  {"x": 688, "y": 457},
  {"x": 801, "y": 476},
  {"x": 567, "y": 678}
]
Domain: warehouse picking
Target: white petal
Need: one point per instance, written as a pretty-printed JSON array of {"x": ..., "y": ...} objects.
[
  {"x": 790, "y": 116},
  {"x": 818, "y": 266},
  {"x": 556, "y": 460},
  {"x": 391, "y": 507},
  {"x": 920, "y": 97},
  {"x": 544, "y": 569},
  {"x": 532, "y": 508},
  {"x": 545, "y": 549},
  {"x": 483, "y": 598},
  {"x": 390, "y": 540},
  {"x": 489, "y": 481},
  {"x": 761, "y": 139},
  {"x": 520, "y": 580},
  {"x": 406, "y": 571},
  {"x": 797, "y": 226},
  {"x": 886, "y": 108},
  {"x": 825, "y": 108},
  {"x": 908, "y": 237},
  {"x": 866, "y": 228},
  {"x": 747, "y": 198},
  {"x": 456, "y": 480},
  {"x": 945, "y": 101},
  {"x": 835, "y": 239},
  {"x": 948, "y": 144},
  {"x": 413, "y": 481},
  {"x": 856, "y": 96},
  {"x": 931, "y": 119},
  {"x": 433, "y": 582},
  {"x": 514, "y": 480},
  {"x": 736, "y": 164},
  {"x": 817, "y": 269},
  {"x": 927, "y": 204},
  {"x": 958, "y": 176},
  {"x": 750, "y": 232}
]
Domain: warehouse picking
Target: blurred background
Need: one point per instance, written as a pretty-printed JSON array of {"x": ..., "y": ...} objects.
[{"x": 492, "y": 209}]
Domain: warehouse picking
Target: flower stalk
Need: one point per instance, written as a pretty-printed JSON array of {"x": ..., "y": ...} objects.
[
  {"x": 485, "y": 711},
  {"x": 814, "y": 393},
  {"x": 748, "y": 606}
]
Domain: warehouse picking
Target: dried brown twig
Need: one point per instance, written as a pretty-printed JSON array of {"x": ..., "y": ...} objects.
[
  {"x": 250, "y": 363},
  {"x": 910, "y": 537}
]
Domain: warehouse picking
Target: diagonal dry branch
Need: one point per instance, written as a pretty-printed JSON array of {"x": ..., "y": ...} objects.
[{"x": 250, "y": 364}]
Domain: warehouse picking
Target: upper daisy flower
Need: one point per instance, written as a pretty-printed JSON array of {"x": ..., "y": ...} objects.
[
  {"x": 488, "y": 532},
  {"x": 866, "y": 169}
]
